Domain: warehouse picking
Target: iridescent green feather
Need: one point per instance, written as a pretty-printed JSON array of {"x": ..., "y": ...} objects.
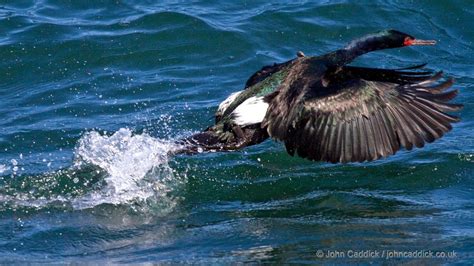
[{"x": 262, "y": 88}]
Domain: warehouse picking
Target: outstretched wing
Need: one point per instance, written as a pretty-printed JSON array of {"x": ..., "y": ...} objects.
[{"x": 363, "y": 114}]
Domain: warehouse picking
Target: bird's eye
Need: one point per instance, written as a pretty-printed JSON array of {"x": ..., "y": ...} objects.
[{"x": 408, "y": 41}]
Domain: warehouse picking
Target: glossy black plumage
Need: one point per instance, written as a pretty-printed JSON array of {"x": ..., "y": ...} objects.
[
  {"x": 369, "y": 113},
  {"x": 325, "y": 110}
]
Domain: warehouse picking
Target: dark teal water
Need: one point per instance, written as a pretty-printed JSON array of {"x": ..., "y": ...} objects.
[{"x": 93, "y": 93}]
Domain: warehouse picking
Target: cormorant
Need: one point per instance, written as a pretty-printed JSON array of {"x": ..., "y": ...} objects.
[{"x": 324, "y": 110}]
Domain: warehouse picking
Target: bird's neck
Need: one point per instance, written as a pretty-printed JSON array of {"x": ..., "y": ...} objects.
[{"x": 357, "y": 48}]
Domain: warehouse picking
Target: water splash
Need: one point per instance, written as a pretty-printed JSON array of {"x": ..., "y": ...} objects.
[
  {"x": 119, "y": 169},
  {"x": 3, "y": 168},
  {"x": 136, "y": 167}
]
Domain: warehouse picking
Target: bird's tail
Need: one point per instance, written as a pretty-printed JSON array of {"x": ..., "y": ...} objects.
[{"x": 200, "y": 142}]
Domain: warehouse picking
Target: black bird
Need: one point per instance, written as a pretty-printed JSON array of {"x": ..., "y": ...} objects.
[{"x": 324, "y": 110}]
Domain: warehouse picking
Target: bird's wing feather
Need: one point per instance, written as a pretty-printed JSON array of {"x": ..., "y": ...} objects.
[
  {"x": 365, "y": 114},
  {"x": 287, "y": 101}
]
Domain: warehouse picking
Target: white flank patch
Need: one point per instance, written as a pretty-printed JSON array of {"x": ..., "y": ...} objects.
[
  {"x": 225, "y": 104},
  {"x": 251, "y": 111}
]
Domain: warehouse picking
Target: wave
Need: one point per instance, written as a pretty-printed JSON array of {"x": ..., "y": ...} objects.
[{"x": 122, "y": 168}]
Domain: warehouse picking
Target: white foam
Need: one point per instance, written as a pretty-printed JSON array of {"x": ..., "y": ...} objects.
[
  {"x": 136, "y": 165},
  {"x": 3, "y": 168}
]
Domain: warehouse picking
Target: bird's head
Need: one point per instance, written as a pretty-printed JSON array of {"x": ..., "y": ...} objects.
[
  {"x": 385, "y": 40},
  {"x": 399, "y": 39}
]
